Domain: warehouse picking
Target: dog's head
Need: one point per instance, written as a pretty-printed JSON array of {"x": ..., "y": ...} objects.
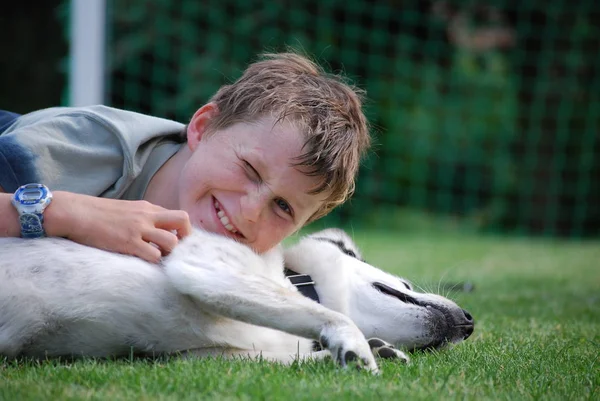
[{"x": 382, "y": 305}]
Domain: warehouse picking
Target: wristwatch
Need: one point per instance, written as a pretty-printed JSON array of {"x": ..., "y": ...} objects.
[{"x": 31, "y": 200}]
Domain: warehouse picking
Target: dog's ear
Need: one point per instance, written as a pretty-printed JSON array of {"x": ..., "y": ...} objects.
[{"x": 340, "y": 239}]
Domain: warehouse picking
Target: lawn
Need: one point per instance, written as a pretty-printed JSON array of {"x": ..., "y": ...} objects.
[{"x": 537, "y": 309}]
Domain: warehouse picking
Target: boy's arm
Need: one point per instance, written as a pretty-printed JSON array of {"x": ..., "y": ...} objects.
[
  {"x": 135, "y": 228},
  {"x": 9, "y": 218}
]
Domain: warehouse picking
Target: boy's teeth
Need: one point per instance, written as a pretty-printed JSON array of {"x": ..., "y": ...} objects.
[
  {"x": 224, "y": 219},
  {"x": 225, "y": 222}
]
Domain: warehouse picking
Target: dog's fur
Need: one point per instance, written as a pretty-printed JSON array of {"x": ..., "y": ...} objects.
[{"x": 213, "y": 296}]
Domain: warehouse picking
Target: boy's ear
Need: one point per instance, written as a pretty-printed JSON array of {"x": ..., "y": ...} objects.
[{"x": 197, "y": 126}]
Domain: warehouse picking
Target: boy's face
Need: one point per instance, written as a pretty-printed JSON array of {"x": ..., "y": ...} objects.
[{"x": 239, "y": 182}]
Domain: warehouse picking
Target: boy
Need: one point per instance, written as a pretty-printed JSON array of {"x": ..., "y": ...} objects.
[{"x": 269, "y": 153}]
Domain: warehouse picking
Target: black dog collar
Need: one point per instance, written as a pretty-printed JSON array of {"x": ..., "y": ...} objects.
[{"x": 304, "y": 283}]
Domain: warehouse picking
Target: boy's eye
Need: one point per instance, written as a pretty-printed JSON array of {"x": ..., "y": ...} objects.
[
  {"x": 252, "y": 173},
  {"x": 283, "y": 205}
]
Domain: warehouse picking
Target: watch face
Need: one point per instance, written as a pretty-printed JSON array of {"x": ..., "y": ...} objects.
[
  {"x": 32, "y": 194},
  {"x": 32, "y": 198}
]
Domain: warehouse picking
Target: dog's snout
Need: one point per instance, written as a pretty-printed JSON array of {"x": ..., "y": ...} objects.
[{"x": 468, "y": 316}]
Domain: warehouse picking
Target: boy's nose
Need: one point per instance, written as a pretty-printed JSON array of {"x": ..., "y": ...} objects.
[{"x": 252, "y": 206}]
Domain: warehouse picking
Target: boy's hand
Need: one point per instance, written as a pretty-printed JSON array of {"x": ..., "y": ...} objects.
[{"x": 136, "y": 228}]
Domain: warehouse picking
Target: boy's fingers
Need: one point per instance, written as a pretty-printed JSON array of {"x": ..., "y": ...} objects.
[
  {"x": 164, "y": 240},
  {"x": 149, "y": 252},
  {"x": 177, "y": 220}
]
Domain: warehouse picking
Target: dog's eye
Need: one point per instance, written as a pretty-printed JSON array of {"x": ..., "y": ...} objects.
[
  {"x": 350, "y": 252},
  {"x": 387, "y": 290}
]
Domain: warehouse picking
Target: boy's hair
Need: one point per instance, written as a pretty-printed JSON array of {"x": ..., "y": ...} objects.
[{"x": 323, "y": 106}]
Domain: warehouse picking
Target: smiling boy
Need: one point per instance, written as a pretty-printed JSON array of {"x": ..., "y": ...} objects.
[{"x": 278, "y": 148}]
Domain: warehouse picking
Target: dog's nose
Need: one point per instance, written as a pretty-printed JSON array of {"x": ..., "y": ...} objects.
[{"x": 469, "y": 326}]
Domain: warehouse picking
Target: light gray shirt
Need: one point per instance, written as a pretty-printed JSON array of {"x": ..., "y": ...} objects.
[{"x": 95, "y": 150}]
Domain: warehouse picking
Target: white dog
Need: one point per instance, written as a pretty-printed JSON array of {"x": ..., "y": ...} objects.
[{"x": 214, "y": 296}]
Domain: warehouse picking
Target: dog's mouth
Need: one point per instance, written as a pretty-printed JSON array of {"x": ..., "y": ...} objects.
[{"x": 445, "y": 325}]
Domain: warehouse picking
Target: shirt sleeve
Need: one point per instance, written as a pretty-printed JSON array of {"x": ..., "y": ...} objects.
[{"x": 68, "y": 151}]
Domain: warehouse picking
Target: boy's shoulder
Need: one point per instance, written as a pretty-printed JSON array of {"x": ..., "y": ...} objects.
[{"x": 103, "y": 117}]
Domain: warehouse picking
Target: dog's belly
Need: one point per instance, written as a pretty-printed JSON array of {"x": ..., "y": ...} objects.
[
  {"x": 111, "y": 338},
  {"x": 68, "y": 300},
  {"x": 63, "y": 299},
  {"x": 181, "y": 330},
  {"x": 120, "y": 324}
]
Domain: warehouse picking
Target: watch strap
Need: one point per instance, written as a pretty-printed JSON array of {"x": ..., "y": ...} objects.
[{"x": 32, "y": 225}]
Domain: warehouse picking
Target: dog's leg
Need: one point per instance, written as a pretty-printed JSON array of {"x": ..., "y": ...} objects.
[
  {"x": 9, "y": 344},
  {"x": 232, "y": 353},
  {"x": 223, "y": 287},
  {"x": 379, "y": 348},
  {"x": 386, "y": 350},
  {"x": 20, "y": 320}
]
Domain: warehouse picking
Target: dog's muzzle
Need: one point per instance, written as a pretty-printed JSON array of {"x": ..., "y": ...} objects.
[{"x": 450, "y": 325}]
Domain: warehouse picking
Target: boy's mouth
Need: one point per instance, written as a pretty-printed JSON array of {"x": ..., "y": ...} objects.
[{"x": 224, "y": 219}]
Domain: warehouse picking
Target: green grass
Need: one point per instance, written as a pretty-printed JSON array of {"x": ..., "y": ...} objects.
[{"x": 537, "y": 309}]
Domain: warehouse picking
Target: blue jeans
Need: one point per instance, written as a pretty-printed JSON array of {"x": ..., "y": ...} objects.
[{"x": 6, "y": 119}]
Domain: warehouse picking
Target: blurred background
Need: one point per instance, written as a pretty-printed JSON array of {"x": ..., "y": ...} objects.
[{"x": 485, "y": 114}]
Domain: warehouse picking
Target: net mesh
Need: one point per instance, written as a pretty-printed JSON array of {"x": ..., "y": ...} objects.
[{"x": 484, "y": 114}]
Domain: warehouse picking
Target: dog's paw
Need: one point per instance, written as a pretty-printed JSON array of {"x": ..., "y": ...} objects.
[
  {"x": 386, "y": 350},
  {"x": 348, "y": 346}
]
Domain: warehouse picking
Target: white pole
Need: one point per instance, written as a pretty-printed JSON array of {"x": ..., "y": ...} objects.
[{"x": 87, "y": 59}]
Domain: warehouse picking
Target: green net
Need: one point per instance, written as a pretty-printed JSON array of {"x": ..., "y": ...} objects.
[{"x": 485, "y": 114}]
